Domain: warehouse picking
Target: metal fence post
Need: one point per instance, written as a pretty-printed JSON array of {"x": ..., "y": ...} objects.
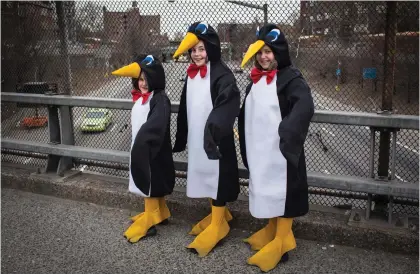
[
  {"x": 387, "y": 92},
  {"x": 265, "y": 7},
  {"x": 55, "y": 137},
  {"x": 64, "y": 44},
  {"x": 66, "y": 116}
]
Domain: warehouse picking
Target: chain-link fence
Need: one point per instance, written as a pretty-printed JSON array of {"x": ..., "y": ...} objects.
[{"x": 338, "y": 46}]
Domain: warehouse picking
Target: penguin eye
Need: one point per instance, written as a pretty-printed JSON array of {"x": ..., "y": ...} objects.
[
  {"x": 201, "y": 28},
  {"x": 257, "y": 33},
  {"x": 273, "y": 35},
  {"x": 148, "y": 60}
]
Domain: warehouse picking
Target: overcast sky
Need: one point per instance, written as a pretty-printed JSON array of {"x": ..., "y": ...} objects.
[{"x": 177, "y": 16}]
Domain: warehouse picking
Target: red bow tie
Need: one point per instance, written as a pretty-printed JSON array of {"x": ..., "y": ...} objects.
[
  {"x": 193, "y": 70},
  {"x": 256, "y": 75},
  {"x": 137, "y": 95}
]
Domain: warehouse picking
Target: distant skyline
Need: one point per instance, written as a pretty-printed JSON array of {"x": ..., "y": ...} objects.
[{"x": 176, "y": 16}]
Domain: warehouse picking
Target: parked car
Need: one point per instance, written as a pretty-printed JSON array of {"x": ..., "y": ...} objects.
[
  {"x": 34, "y": 122},
  {"x": 96, "y": 120}
]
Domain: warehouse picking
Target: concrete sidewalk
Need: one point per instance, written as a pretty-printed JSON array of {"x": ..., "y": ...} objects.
[{"x": 45, "y": 234}]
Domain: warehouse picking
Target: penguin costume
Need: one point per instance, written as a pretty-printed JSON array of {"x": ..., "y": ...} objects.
[
  {"x": 210, "y": 103},
  {"x": 152, "y": 172},
  {"x": 273, "y": 124}
]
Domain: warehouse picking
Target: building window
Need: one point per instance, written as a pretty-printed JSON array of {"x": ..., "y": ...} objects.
[
  {"x": 318, "y": 17},
  {"x": 380, "y": 9}
]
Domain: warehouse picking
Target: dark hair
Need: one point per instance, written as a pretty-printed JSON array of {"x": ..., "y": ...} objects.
[{"x": 135, "y": 83}]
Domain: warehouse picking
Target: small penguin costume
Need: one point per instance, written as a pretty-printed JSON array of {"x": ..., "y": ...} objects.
[
  {"x": 273, "y": 124},
  {"x": 210, "y": 103},
  {"x": 152, "y": 172}
]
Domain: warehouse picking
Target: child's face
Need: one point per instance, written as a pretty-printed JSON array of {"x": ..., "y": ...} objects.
[
  {"x": 143, "y": 84},
  {"x": 265, "y": 56},
  {"x": 199, "y": 54}
]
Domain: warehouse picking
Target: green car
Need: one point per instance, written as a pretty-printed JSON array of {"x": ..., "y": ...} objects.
[{"x": 96, "y": 119}]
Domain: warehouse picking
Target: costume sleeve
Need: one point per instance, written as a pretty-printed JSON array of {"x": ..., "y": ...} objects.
[
  {"x": 182, "y": 123},
  {"x": 241, "y": 127},
  {"x": 150, "y": 137},
  {"x": 222, "y": 118},
  {"x": 294, "y": 127}
]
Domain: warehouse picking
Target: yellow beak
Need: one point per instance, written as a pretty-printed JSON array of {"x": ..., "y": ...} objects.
[
  {"x": 252, "y": 50},
  {"x": 132, "y": 70},
  {"x": 190, "y": 40}
]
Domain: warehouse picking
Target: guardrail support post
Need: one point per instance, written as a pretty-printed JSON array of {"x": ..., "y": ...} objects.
[
  {"x": 372, "y": 153},
  {"x": 394, "y": 148},
  {"x": 67, "y": 137},
  {"x": 55, "y": 137}
]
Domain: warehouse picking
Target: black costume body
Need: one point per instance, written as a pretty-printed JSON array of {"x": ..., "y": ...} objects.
[
  {"x": 207, "y": 126},
  {"x": 152, "y": 172},
  {"x": 280, "y": 186}
]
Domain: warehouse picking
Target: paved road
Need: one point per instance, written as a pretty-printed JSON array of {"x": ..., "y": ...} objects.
[
  {"x": 44, "y": 234},
  {"x": 348, "y": 147}
]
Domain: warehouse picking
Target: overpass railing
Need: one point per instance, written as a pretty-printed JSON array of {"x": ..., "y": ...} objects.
[{"x": 62, "y": 152}]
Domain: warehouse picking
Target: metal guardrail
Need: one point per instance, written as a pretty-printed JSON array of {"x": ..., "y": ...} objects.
[
  {"x": 321, "y": 116},
  {"x": 61, "y": 151},
  {"x": 347, "y": 183}
]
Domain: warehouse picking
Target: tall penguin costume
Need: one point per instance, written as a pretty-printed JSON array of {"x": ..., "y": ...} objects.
[
  {"x": 152, "y": 172},
  {"x": 273, "y": 124},
  {"x": 210, "y": 102}
]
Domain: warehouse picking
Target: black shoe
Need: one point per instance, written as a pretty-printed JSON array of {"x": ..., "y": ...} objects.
[
  {"x": 151, "y": 232},
  {"x": 164, "y": 222},
  {"x": 284, "y": 258}
]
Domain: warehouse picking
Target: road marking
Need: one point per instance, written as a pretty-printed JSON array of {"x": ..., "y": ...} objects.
[
  {"x": 236, "y": 133},
  {"x": 406, "y": 147},
  {"x": 113, "y": 127},
  {"x": 324, "y": 129},
  {"x": 398, "y": 177},
  {"x": 401, "y": 179}
]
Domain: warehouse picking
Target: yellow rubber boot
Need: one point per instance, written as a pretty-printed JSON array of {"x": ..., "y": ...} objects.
[
  {"x": 163, "y": 208},
  {"x": 203, "y": 224},
  {"x": 150, "y": 217},
  {"x": 263, "y": 236},
  {"x": 216, "y": 231},
  {"x": 270, "y": 255}
]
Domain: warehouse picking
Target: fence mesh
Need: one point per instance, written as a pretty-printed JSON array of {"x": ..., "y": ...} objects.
[{"x": 338, "y": 46}]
